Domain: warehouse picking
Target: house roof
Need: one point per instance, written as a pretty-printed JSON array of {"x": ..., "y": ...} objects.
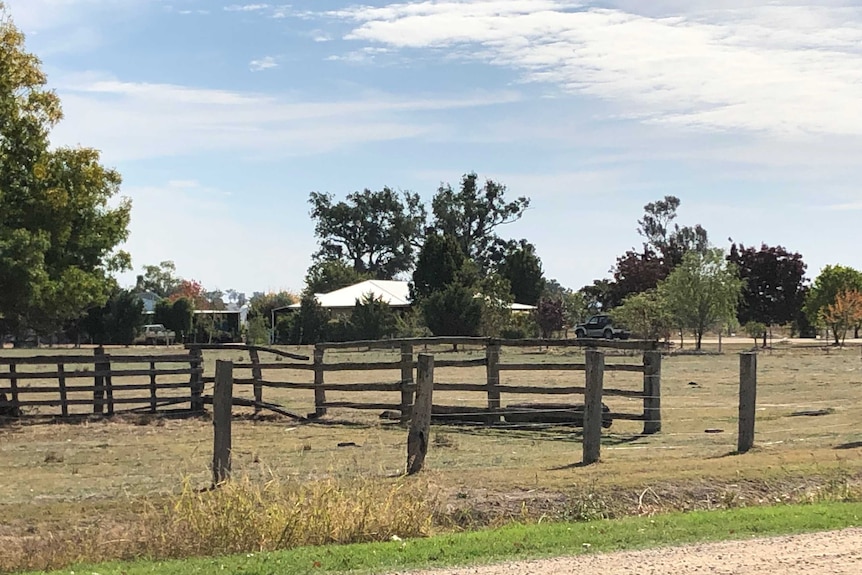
[{"x": 394, "y": 293}]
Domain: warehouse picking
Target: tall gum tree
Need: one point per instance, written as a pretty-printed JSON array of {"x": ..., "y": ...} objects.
[{"x": 58, "y": 231}]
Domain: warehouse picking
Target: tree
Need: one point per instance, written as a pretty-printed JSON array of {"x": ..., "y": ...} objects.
[
  {"x": 550, "y": 316},
  {"x": 160, "y": 280},
  {"x": 325, "y": 276},
  {"x": 375, "y": 232},
  {"x": 262, "y": 305},
  {"x": 309, "y": 326},
  {"x": 755, "y": 330},
  {"x": 177, "y": 315},
  {"x": 773, "y": 290},
  {"x": 647, "y": 314},
  {"x": 832, "y": 281},
  {"x": 634, "y": 273},
  {"x": 193, "y": 291},
  {"x": 117, "y": 322},
  {"x": 472, "y": 215},
  {"x": 372, "y": 318},
  {"x": 523, "y": 269},
  {"x": 437, "y": 266},
  {"x": 672, "y": 242},
  {"x": 58, "y": 233},
  {"x": 453, "y": 310},
  {"x": 702, "y": 291},
  {"x": 844, "y": 313}
]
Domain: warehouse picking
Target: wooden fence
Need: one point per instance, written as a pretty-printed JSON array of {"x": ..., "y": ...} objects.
[
  {"x": 403, "y": 387},
  {"x": 101, "y": 383}
]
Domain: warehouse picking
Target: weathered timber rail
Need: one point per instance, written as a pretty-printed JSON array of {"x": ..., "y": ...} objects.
[{"x": 499, "y": 379}]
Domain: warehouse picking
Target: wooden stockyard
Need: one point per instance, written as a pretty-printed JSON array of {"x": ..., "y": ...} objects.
[{"x": 107, "y": 383}]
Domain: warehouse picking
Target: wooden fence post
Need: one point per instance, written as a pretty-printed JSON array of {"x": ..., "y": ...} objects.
[
  {"x": 406, "y": 381},
  {"x": 100, "y": 365},
  {"x": 747, "y": 400},
  {"x": 319, "y": 390},
  {"x": 492, "y": 369},
  {"x": 196, "y": 380},
  {"x": 652, "y": 392},
  {"x": 13, "y": 383},
  {"x": 257, "y": 375},
  {"x": 153, "y": 389},
  {"x": 222, "y": 408},
  {"x": 595, "y": 370},
  {"x": 64, "y": 398},
  {"x": 420, "y": 425}
]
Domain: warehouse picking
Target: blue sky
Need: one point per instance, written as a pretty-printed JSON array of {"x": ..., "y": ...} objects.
[{"x": 223, "y": 117}]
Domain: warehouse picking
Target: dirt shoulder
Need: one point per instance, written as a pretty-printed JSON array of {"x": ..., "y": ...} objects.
[{"x": 830, "y": 553}]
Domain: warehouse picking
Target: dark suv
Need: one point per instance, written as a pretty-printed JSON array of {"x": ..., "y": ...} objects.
[{"x": 600, "y": 326}]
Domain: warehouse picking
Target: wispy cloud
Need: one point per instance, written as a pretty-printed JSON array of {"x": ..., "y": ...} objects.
[
  {"x": 261, "y": 64},
  {"x": 172, "y": 120},
  {"x": 784, "y": 70},
  {"x": 246, "y": 7}
]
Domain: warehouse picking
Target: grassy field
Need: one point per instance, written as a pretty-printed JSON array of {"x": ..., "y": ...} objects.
[{"x": 58, "y": 478}]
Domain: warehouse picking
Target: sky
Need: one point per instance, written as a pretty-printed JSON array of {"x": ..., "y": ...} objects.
[{"x": 222, "y": 118}]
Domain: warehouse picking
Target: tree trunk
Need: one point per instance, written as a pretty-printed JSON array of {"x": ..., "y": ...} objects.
[
  {"x": 764, "y": 340},
  {"x": 836, "y": 337},
  {"x": 699, "y": 336}
]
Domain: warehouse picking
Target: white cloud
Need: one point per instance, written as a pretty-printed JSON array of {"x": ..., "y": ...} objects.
[
  {"x": 133, "y": 120},
  {"x": 780, "y": 69},
  {"x": 246, "y": 7},
  {"x": 262, "y": 64}
]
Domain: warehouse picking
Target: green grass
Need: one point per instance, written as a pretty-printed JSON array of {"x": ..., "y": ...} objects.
[{"x": 515, "y": 542}]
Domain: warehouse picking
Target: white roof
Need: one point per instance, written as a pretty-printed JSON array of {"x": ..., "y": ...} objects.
[{"x": 395, "y": 293}]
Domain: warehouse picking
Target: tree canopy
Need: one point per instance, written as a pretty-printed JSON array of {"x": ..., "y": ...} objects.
[
  {"x": 375, "y": 232},
  {"x": 472, "y": 213},
  {"x": 831, "y": 281},
  {"x": 702, "y": 291},
  {"x": 58, "y": 233},
  {"x": 522, "y": 267},
  {"x": 773, "y": 289}
]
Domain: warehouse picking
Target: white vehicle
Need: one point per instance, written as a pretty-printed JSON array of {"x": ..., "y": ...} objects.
[{"x": 156, "y": 333}]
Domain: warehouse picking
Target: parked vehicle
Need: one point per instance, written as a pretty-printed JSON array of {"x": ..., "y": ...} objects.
[
  {"x": 600, "y": 326},
  {"x": 156, "y": 333}
]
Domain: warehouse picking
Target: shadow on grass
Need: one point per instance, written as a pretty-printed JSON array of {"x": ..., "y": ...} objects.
[{"x": 851, "y": 445}]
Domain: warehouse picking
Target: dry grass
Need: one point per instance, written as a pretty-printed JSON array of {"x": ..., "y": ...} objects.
[{"x": 62, "y": 481}]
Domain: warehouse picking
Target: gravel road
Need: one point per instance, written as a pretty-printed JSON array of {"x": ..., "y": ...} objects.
[{"x": 831, "y": 553}]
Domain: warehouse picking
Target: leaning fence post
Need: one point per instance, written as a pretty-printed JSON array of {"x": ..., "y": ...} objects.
[
  {"x": 747, "y": 400},
  {"x": 595, "y": 370},
  {"x": 257, "y": 376},
  {"x": 319, "y": 390},
  {"x": 420, "y": 424},
  {"x": 222, "y": 407},
  {"x": 406, "y": 381},
  {"x": 652, "y": 392},
  {"x": 492, "y": 370}
]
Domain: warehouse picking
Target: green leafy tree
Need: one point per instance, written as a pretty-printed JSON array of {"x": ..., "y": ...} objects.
[
  {"x": 372, "y": 318},
  {"x": 667, "y": 238},
  {"x": 439, "y": 263},
  {"x": 58, "y": 233},
  {"x": 831, "y": 281},
  {"x": 177, "y": 315},
  {"x": 755, "y": 330},
  {"x": 261, "y": 305},
  {"x": 310, "y": 324},
  {"x": 577, "y": 306},
  {"x": 702, "y": 291},
  {"x": 453, "y": 310},
  {"x": 160, "y": 279},
  {"x": 495, "y": 295},
  {"x": 325, "y": 276},
  {"x": 375, "y": 232},
  {"x": 117, "y": 322},
  {"x": 523, "y": 269},
  {"x": 646, "y": 314},
  {"x": 472, "y": 214}
]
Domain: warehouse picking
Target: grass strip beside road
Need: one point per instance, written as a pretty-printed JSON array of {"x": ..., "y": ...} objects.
[{"x": 514, "y": 542}]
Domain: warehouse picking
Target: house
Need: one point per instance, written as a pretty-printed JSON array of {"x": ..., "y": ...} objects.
[{"x": 395, "y": 293}]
